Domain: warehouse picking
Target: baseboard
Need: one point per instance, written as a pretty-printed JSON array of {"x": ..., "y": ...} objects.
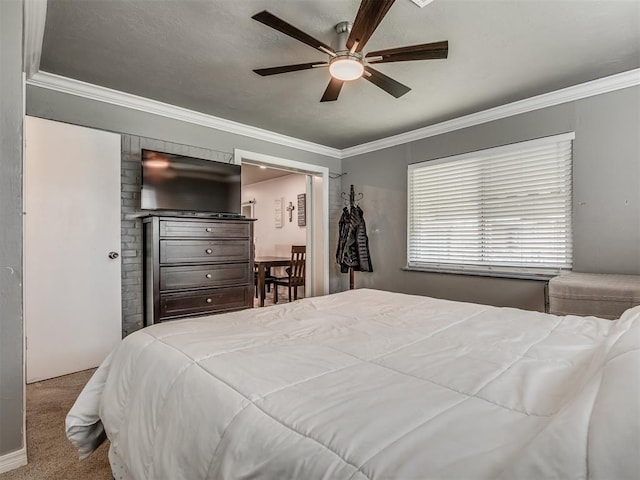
[{"x": 13, "y": 460}]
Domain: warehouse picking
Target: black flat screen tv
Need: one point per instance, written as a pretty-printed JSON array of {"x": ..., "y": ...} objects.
[{"x": 189, "y": 185}]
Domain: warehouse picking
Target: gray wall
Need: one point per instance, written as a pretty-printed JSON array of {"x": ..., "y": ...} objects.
[
  {"x": 11, "y": 378},
  {"x": 606, "y": 164}
]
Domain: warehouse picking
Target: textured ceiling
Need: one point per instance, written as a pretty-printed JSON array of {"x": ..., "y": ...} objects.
[{"x": 199, "y": 54}]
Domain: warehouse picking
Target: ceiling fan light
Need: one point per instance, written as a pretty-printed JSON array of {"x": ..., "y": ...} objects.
[{"x": 346, "y": 69}]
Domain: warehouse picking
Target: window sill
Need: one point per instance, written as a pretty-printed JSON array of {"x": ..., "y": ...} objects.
[{"x": 543, "y": 277}]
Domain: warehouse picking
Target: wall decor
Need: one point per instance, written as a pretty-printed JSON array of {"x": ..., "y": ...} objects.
[
  {"x": 290, "y": 209},
  {"x": 302, "y": 210},
  {"x": 277, "y": 206}
]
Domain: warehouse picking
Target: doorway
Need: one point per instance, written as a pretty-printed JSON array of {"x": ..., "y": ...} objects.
[{"x": 316, "y": 200}]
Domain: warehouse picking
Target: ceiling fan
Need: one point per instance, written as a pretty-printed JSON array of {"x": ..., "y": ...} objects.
[{"x": 348, "y": 62}]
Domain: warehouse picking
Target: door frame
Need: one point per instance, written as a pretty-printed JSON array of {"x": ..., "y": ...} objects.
[{"x": 294, "y": 166}]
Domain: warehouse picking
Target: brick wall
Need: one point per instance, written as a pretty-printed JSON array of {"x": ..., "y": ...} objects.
[
  {"x": 131, "y": 227},
  {"x": 131, "y": 236}
]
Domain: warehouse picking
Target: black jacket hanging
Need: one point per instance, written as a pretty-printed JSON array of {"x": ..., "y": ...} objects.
[
  {"x": 362, "y": 241},
  {"x": 347, "y": 253},
  {"x": 353, "y": 244}
]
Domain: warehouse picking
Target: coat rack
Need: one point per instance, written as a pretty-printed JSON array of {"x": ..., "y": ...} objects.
[{"x": 352, "y": 197}]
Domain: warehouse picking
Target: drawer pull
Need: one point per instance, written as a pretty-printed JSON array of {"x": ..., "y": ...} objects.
[
  {"x": 208, "y": 275},
  {"x": 208, "y": 250},
  {"x": 209, "y": 300},
  {"x": 208, "y": 229}
]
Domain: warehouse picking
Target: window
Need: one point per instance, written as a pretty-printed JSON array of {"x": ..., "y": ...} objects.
[{"x": 502, "y": 211}]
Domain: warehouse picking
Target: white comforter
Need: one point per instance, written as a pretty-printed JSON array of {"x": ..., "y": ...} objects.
[{"x": 370, "y": 384}]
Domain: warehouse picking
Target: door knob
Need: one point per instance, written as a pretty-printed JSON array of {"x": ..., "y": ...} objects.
[{"x": 113, "y": 255}]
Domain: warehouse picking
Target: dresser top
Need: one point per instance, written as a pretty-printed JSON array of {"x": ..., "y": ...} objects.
[{"x": 198, "y": 217}]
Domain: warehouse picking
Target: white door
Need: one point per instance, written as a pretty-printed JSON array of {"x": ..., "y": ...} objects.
[{"x": 72, "y": 222}]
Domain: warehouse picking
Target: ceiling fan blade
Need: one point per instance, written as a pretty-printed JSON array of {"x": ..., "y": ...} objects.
[
  {"x": 426, "y": 51},
  {"x": 276, "y": 23},
  {"x": 289, "y": 68},
  {"x": 370, "y": 14},
  {"x": 388, "y": 84},
  {"x": 332, "y": 91}
]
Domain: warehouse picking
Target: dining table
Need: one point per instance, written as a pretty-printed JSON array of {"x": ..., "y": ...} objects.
[{"x": 263, "y": 264}]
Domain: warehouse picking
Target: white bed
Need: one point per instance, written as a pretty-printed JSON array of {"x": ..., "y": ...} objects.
[{"x": 368, "y": 384}]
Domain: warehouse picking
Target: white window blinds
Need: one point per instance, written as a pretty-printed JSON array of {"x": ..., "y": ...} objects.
[{"x": 503, "y": 210}]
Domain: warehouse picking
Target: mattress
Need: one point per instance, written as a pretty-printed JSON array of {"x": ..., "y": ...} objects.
[
  {"x": 368, "y": 384},
  {"x": 597, "y": 294}
]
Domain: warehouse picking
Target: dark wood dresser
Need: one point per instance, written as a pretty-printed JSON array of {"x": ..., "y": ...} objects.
[{"x": 196, "y": 266}]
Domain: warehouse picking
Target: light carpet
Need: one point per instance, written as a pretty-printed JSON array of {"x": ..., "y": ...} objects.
[{"x": 49, "y": 453}]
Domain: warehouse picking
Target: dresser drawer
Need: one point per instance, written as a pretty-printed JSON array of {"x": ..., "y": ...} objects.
[
  {"x": 204, "y": 301},
  {"x": 197, "y": 276},
  {"x": 204, "y": 229},
  {"x": 192, "y": 251}
]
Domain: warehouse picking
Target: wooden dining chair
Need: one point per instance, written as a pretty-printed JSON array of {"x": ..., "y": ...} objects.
[{"x": 295, "y": 273}]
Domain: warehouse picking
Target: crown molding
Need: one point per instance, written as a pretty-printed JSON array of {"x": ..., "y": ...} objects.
[
  {"x": 114, "y": 97},
  {"x": 595, "y": 87},
  {"x": 35, "y": 14},
  {"x": 86, "y": 90}
]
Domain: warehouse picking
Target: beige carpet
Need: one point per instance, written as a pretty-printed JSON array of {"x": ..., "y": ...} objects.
[{"x": 50, "y": 454}]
